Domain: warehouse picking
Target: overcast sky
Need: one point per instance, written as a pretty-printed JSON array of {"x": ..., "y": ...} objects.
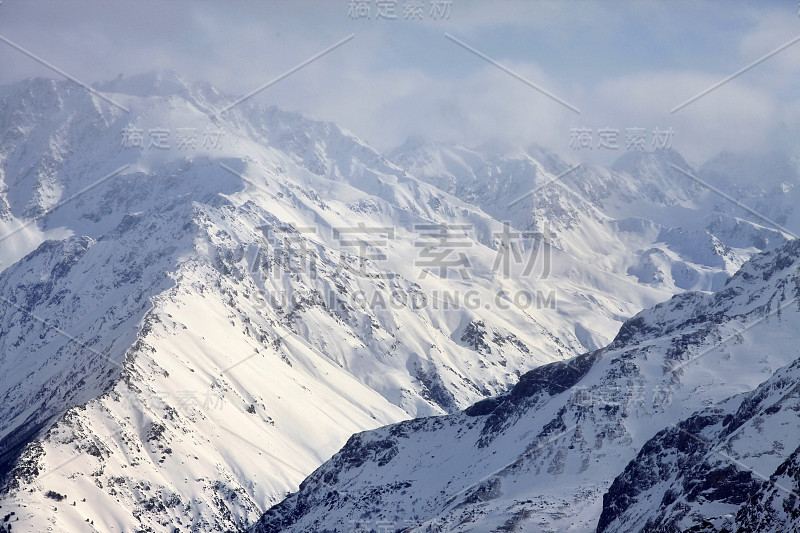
[{"x": 621, "y": 64}]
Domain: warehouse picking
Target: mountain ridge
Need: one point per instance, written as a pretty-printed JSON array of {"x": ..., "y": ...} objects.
[{"x": 520, "y": 445}]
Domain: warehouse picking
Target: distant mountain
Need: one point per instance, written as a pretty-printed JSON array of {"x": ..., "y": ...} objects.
[{"x": 643, "y": 217}]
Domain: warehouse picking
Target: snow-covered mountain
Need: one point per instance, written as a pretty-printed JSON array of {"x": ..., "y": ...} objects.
[
  {"x": 541, "y": 457},
  {"x": 198, "y": 307},
  {"x": 643, "y": 217},
  {"x": 730, "y": 467}
]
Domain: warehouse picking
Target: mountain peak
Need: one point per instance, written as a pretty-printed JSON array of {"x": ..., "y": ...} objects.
[
  {"x": 636, "y": 161},
  {"x": 164, "y": 84},
  {"x": 152, "y": 83}
]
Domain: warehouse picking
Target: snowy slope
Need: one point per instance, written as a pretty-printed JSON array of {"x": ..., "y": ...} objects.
[
  {"x": 182, "y": 353},
  {"x": 728, "y": 467},
  {"x": 541, "y": 456}
]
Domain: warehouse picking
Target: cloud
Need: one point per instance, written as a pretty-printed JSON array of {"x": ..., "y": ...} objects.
[
  {"x": 773, "y": 30},
  {"x": 623, "y": 64},
  {"x": 735, "y": 117}
]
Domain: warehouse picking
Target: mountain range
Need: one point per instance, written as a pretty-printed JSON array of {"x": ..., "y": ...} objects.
[{"x": 202, "y": 300}]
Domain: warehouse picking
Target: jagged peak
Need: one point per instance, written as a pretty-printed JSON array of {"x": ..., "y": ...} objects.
[
  {"x": 152, "y": 83},
  {"x": 635, "y": 161}
]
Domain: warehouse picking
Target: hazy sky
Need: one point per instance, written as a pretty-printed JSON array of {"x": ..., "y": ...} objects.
[{"x": 622, "y": 64}]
